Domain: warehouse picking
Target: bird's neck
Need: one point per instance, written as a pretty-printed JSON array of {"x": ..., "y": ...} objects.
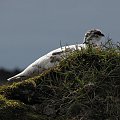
[{"x": 91, "y": 41}]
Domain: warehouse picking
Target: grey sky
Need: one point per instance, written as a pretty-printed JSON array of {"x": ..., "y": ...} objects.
[{"x": 31, "y": 28}]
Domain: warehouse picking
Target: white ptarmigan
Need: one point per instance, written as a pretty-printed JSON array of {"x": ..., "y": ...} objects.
[{"x": 53, "y": 58}]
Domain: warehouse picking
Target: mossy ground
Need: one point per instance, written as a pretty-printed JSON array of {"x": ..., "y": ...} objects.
[{"x": 85, "y": 86}]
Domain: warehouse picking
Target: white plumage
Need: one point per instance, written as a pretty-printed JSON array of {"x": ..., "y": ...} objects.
[{"x": 54, "y": 57}]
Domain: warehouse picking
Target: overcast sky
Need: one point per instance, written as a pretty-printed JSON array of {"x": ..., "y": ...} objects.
[{"x": 31, "y": 28}]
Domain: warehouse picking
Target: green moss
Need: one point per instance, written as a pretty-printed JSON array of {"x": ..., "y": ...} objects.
[{"x": 85, "y": 85}]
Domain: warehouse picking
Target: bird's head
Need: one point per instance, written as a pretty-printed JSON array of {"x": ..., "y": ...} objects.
[{"x": 93, "y": 36}]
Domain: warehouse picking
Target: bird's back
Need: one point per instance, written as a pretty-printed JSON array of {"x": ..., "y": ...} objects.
[{"x": 47, "y": 61}]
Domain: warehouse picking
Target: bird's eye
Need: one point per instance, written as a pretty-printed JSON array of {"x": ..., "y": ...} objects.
[{"x": 99, "y": 33}]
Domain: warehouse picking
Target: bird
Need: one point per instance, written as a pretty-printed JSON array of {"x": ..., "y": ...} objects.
[{"x": 53, "y": 58}]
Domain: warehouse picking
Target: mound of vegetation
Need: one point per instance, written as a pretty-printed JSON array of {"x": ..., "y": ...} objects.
[{"x": 85, "y": 86}]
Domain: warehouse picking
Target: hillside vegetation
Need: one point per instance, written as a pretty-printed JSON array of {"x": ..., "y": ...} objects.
[{"x": 85, "y": 86}]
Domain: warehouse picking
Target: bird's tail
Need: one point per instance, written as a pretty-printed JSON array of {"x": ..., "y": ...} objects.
[
  {"x": 16, "y": 77},
  {"x": 13, "y": 78}
]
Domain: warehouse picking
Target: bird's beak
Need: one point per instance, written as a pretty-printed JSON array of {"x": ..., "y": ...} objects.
[{"x": 102, "y": 35}]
